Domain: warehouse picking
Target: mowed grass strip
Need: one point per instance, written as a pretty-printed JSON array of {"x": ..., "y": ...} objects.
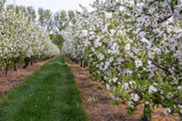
[{"x": 50, "y": 94}]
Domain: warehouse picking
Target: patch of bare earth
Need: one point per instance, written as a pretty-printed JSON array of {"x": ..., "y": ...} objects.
[
  {"x": 101, "y": 109},
  {"x": 14, "y": 78}
]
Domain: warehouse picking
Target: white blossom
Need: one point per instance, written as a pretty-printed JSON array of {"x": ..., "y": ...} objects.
[
  {"x": 126, "y": 85},
  {"x": 84, "y": 33},
  {"x": 169, "y": 95},
  {"x": 138, "y": 63},
  {"x": 147, "y": 102},
  {"x": 127, "y": 47},
  {"x": 145, "y": 40},
  {"x": 108, "y": 15},
  {"x": 131, "y": 104},
  {"x": 115, "y": 79},
  {"x": 136, "y": 97},
  {"x": 167, "y": 110},
  {"x": 101, "y": 56},
  {"x": 107, "y": 87},
  {"x": 112, "y": 31},
  {"x": 120, "y": 32},
  {"x": 152, "y": 89}
]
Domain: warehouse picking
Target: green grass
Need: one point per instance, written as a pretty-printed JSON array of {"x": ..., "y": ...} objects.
[{"x": 50, "y": 94}]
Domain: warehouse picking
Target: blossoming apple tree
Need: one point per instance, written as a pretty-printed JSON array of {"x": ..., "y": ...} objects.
[
  {"x": 135, "y": 47},
  {"x": 22, "y": 39}
]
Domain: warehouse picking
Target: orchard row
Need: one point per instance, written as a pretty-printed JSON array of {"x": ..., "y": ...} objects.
[
  {"x": 135, "y": 48},
  {"x": 22, "y": 39}
]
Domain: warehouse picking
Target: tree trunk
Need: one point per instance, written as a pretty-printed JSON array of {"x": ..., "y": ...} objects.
[
  {"x": 26, "y": 63},
  {"x": 15, "y": 67},
  {"x": 146, "y": 113},
  {"x": 15, "y": 62},
  {"x": 6, "y": 71}
]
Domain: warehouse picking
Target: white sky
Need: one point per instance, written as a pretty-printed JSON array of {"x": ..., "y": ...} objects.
[{"x": 53, "y": 5}]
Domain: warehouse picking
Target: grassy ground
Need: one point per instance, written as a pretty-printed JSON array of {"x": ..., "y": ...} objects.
[{"x": 50, "y": 94}]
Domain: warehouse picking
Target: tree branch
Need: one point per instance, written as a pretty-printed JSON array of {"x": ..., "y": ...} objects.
[{"x": 155, "y": 63}]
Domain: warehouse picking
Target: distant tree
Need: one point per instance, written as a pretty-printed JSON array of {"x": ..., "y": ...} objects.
[
  {"x": 27, "y": 11},
  {"x": 41, "y": 16},
  {"x": 45, "y": 19},
  {"x": 2, "y": 2},
  {"x": 72, "y": 15},
  {"x": 31, "y": 13},
  {"x": 21, "y": 9},
  {"x": 10, "y": 7},
  {"x": 57, "y": 39},
  {"x": 60, "y": 20}
]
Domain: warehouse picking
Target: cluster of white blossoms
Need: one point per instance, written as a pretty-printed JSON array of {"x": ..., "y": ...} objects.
[
  {"x": 20, "y": 38},
  {"x": 135, "y": 48}
]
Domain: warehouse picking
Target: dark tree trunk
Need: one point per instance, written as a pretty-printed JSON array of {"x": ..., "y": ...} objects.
[
  {"x": 26, "y": 62},
  {"x": 84, "y": 65},
  {"x": 81, "y": 64},
  {"x": 15, "y": 67},
  {"x": 146, "y": 113},
  {"x": 6, "y": 71},
  {"x": 15, "y": 62}
]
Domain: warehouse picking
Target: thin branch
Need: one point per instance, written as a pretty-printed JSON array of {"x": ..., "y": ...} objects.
[{"x": 155, "y": 63}]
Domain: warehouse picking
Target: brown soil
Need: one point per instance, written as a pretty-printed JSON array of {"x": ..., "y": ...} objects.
[
  {"x": 14, "y": 78},
  {"x": 101, "y": 109}
]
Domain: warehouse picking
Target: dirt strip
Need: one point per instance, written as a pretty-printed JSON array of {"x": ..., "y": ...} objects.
[
  {"x": 14, "y": 78},
  {"x": 99, "y": 108}
]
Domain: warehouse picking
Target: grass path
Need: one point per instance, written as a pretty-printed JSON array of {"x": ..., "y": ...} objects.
[{"x": 50, "y": 94}]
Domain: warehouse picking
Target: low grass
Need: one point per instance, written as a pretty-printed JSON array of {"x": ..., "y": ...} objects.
[{"x": 50, "y": 94}]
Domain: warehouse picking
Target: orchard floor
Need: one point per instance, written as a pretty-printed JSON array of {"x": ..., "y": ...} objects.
[
  {"x": 101, "y": 110},
  {"x": 49, "y": 94},
  {"x": 14, "y": 78}
]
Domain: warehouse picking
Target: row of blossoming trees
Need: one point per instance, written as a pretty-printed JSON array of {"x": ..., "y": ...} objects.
[
  {"x": 135, "y": 47},
  {"x": 22, "y": 39}
]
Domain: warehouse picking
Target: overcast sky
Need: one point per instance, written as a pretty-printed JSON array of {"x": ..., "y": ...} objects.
[{"x": 53, "y": 5}]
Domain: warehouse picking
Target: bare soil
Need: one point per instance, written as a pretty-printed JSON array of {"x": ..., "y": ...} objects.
[
  {"x": 101, "y": 109},
  {"x": 14, "y": 78}
]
